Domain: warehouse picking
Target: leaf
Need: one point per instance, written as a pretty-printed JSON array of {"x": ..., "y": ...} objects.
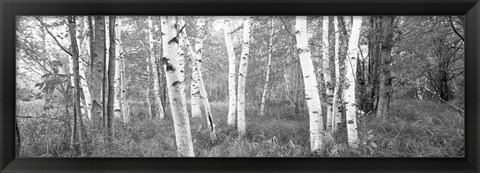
[{"x": 39, "y": 85}]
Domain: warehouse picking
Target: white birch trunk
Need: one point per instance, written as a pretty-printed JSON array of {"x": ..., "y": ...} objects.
[
  {"x": 197, "y": 69},
  {"x": 327, "y": 75},
  {"x": 232, "y": 94},
  {"x": 84, "y": 52},
  {"x": 196, "y": 57},
  {"x": 337, "y": 116},
  {"x": 118, "y": 102},
  {"x": 242, "y": 74},
  {"x": 173, "y": 58},
  {"x": 349, "y": 93},
  {"x": 159, "y": 112},
  {"x": 195, "y": 84},
  {"x": 311, "y": 87},
  {"x": 123, "y": 82},
  {"x": 269, "y": 64}
]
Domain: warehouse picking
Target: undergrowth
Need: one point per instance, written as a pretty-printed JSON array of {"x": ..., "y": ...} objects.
[{"x": 412, "y": 129}]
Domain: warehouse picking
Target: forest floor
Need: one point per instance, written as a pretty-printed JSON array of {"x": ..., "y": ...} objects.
[{"x": 413, "y": 129}]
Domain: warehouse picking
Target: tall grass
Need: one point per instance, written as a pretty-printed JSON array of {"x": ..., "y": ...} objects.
[{"x": 414, "y": 129}]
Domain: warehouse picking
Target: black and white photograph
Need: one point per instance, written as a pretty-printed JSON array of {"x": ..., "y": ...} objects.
[{"x": 240, "y": 86}]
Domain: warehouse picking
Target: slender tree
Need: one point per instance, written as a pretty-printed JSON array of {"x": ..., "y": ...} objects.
[
  {"x": 311, "y": 88},
  {"x": 83, "y": 52},
  {"x": 242, "y": 74},
  {"x": 118, "y": 102},
  {"x": 75, "y": 55},
  {"x": 337, "y": 116},
  {"x": 197, "y": 69},
  {"x": 174, "y": 62},
  {"x": 98, "y": 59},
  {"x": 232, "y": 94},
  {"x": 111, "y": 78},
  {"x": 159, "y": 112},
  {"x": 269, "y": 64},
  {"x": 327, "y": 75},
  {"x": 386, "y": 67},
  {"x": 351, "y": 66}
]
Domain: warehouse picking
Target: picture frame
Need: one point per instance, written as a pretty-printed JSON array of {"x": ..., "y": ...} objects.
[{"x": 10, "y": 8}]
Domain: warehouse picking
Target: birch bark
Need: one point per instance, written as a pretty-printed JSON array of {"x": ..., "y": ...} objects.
[
  {"x": 232, "y": 94},
  {"x": 269, "y": 64},
  {"x": 242, "y": 74},
  {"x": 349, "y": 93},
  {"x": 173, "y": 59},
  {"x": 311, "y": 87},
  {"x": 159, "y": 112}
]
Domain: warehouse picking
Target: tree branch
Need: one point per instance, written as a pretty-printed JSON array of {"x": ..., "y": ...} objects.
[
  {"x": 455, "y": 30},
  {"x": 284, "y": 25},
  {"x": 55, "y": 38}
]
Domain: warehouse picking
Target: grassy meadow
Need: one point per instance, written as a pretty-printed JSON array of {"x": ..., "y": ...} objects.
[{"x": 414, "y": 129}]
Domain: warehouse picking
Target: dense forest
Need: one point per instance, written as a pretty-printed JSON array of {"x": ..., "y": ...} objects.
[{"x": 240, "y": 86}]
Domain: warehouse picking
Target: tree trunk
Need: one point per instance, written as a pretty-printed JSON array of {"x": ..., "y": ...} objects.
[
  {"x": 195, "y": 83},
  {"x": 75, "y": 55},
  {"x": 386, "y": 67},
  {"x": 98, "y": 60},
  {"x": 311, "y": 88},
  {"x": 125, "y": 105},
  {"x": 111, "y": 80},
  {"x": 18, "y": 139},
  {"x": 174, "y": 61},
  {"x": 83, "y": 52},
  {"x": 337, "y": 117},
  {"x": 118, "y": 102},
  {"x": 197, "y": 69},
  {"x": 327, "y": 75},
  {"x": 242, "y": 74},
  {"x": 232, "y": 94},
  {"x": 269, "y": 64},
  {"x": 105, "y": 72},
  {"x": 351, "y": 66},
  {"x": 159, "y": 112}
]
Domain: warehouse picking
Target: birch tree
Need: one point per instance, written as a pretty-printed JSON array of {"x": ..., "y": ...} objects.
[
  {"x": 159, "y": 112},
  {"x": 349, "y": 92},
  {"x": 196, "y": 58},
  {"x": 327, "y": 75},
  {"x": 311, "y": 87},
  {"x": 173, "y": 59},
  {"x": 232, "y": 94},
  {"x": 386, "y": 67},
  {"x": 242, "y": 74},
  {"x": 123, "y": 82},
  {"x": 336, "y": 115},
  {"x": 83, "y": 52},
  {"x": 197, "y": 65},
  {"x": 118, "y": 65},
  {"x": 269, "y": 64},
  {"x": 195, "y": 84}
]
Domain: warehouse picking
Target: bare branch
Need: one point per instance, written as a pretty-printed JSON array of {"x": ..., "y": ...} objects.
[{"x": 55, "y": 38}]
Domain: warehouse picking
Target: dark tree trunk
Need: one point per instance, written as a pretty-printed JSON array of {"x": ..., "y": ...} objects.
[
  {"x": 97, "y": 69},
  {"x": 111, "y": 78},
  {"x": 18, "y": 146},
  {"x": 76, "y": 81},
  {"x": 386, "y": 67}
]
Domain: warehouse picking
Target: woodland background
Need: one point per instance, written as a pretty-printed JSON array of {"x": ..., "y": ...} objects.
[{"x": 423, "y": 55}]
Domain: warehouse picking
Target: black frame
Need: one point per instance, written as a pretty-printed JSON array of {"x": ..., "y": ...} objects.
[{"x": 10, "y": 8}]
